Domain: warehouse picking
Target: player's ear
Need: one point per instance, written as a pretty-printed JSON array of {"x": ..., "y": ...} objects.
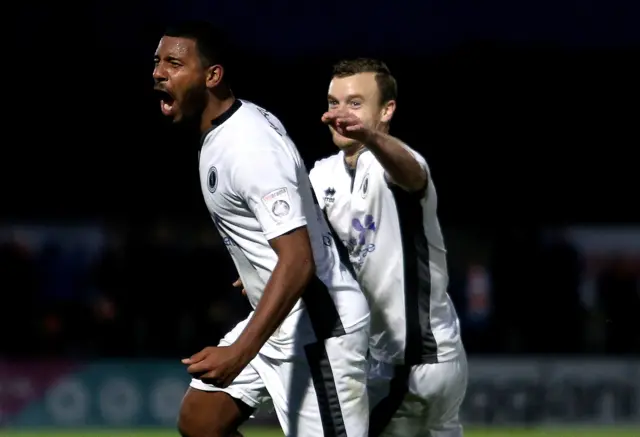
[
  {"x": 214, "y": 76},
  {"x": 387, "y": 111}
]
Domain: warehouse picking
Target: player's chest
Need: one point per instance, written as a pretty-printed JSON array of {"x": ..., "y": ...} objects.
[
  {"x": 354, "y": 198},
  {"x": 218, "y": 196}
]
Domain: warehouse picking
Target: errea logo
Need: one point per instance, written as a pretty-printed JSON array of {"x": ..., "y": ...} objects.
[{"x": 329, "y": 195}]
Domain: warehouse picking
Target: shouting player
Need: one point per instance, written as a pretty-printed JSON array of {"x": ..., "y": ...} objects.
[
  {"x": 379, "y": 197},
  {"x": 304, "y": 346}
]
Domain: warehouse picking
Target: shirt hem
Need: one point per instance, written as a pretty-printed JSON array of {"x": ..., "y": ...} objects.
[
  {"x": 284, "y": 228},
  {"x": 444, "y": 357}
]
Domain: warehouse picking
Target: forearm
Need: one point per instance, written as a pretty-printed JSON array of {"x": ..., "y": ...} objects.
[
  {"x": 398, "y": 162},
  {"x": 284, "y": 288}
]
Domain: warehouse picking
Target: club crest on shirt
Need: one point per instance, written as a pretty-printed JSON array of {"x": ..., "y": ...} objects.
[
  {"x": 277, "y": 202},
  {"x": 364, "y": 187},
  {"x": 212, "y": 180},
  {"x": 358, "y": 245}
]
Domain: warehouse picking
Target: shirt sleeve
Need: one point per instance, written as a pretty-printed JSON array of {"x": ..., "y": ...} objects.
[{"x": 267, "y": 180}]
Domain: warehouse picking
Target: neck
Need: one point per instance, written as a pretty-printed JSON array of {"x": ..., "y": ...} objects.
[
  {"x": 216, "y": 106},
  {"x": 351, "y": 155}
]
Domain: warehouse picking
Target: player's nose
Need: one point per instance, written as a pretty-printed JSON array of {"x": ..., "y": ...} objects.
[{"x": 159, "y": 74}]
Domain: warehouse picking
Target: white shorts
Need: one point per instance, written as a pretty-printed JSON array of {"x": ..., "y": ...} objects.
[
  {"x": 421, "y": 401},
  {"x": 321, "y": 394}
]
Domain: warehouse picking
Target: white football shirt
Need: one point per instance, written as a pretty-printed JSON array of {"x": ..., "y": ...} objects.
[
  {"x": 257, "y": 188},
  {"x": 397, "y": 250}
]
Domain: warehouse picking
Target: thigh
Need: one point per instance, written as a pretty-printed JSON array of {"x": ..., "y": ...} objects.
[
  {"x": 453, "y": 428},
  {"x": 248, "y": 387},
  {"x": 394, "y": 411},
  {"x": 419, "y": 401},
  {"x": 211, "y": 414},
  {"x": 208, "y": 410},
  {"x": 442, "y": 386},
  {"x": 324, "y": 392}
]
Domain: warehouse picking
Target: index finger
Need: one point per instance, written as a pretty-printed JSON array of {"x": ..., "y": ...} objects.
[
  {"x": 199, "y": 367},
  {"x": 195, "y": 358},
  {"x": 329, "y": 116}
]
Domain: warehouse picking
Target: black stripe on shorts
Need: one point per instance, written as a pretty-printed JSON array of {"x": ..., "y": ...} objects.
[
  {"x": 326, "y": 391},
  {"x": 382, "y": 413}
]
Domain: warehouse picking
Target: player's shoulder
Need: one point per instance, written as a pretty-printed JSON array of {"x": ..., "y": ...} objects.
[
  {"x": 251, "y": 130},
  {"x": 260, "y": 119},
  {"x": 324, "y": 167}
]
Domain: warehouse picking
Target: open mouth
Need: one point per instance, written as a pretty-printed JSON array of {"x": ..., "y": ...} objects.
[{"x": 167, "y": 102}]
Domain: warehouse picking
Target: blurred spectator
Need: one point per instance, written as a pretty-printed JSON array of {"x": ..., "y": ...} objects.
[
  {"x": 18, "y": 297},
  {"x": 63, "y": 286},
  {"x": 619, "y": 300},
  {"x": 166, "y": 291},
  {"x": 111, "y": 320},
  {"x": 518, "y": 307},
  {"x": 559, "y": 288}
]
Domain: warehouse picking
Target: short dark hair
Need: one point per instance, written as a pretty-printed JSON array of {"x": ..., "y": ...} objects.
[
  {"x": 211, "y": 42},
  {"x": 386, "y": 82}
]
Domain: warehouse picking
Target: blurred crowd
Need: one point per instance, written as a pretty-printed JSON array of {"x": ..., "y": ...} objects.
[{"x": 161, "y": 292}]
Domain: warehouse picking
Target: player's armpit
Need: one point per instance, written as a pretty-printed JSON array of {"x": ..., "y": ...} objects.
[{"x": 293, "y": 271}]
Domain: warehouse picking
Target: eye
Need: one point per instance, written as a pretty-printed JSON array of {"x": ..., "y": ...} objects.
[
  {"x": 333, "y": 103},
  {"x": 175, "y": 64},
  {"x": 355, "y": 104}
]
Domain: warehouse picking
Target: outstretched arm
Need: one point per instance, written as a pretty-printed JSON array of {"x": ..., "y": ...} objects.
[
  {"x": 401, "y": 166},
  {"x": 400, "y": 163}
]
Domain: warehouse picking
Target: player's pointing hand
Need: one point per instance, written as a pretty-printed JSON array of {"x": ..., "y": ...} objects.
[
  {"x": 347, "y": 124},
  {"x": 216, "y": 365}
]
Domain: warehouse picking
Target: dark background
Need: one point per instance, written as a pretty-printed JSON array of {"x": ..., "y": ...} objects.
[{"x": 527, "y": 113}]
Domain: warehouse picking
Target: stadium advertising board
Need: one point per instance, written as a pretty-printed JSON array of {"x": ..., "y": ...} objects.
[{"x": 501, "y": 392}]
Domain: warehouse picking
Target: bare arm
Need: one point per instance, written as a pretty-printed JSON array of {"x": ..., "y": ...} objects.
[
  {"x": 401, "y": 166},
  {"x": 293, "y": 271}
]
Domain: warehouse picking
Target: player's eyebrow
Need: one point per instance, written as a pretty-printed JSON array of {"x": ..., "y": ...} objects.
[
  {"x": 355, "y": 96},
  {"x": 349, "y": 97},
  {"x": 168, "y": 58}
]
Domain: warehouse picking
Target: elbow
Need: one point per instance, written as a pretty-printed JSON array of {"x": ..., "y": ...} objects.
[
  {"x": 307, "y": 268},
  {"x": 301, "y": 264},
  {"x": 420, "y": 181},
  {"x": 410, "y": 179},
  {"x": 415, "y": 184}
]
